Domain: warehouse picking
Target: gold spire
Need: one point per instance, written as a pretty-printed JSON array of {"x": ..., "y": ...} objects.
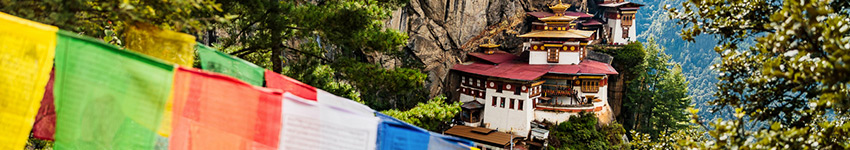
[
  {"x": 489, "y": 48},
  {"x": 560, "y": 7},
  {"x": 489, "y": 44}
]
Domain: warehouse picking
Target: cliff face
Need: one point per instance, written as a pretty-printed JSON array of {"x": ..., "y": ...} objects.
[{"x": 443, "y": 31}]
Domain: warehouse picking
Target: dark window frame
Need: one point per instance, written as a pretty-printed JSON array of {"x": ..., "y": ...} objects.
[
  {"x": 519, "y": 106},
  {"x": 502, "y": 104}
]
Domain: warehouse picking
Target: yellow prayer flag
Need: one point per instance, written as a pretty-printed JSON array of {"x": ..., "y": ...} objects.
[
  {"x": 26, "y": 56},
  {"x": 174, "y": 47}
]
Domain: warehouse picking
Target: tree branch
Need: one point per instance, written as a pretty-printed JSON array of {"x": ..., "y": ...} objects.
[
  {"x": 246, "y": 51},
  {"x": 241, "y": 52},
  {"x": 309, "y": 54},
  {"x": 239, "y": 35},
  {"x": 297, "y": 28}
]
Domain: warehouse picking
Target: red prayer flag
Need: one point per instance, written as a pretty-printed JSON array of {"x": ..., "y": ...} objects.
[
  {"x": 214, "y": 111},
  {"x": 45, "y": 120},
  {"x": 277, "y": 81}
]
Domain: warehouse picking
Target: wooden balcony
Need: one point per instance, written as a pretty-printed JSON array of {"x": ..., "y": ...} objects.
[
  {"x": 557, "y": 90},
  {"x": 565, "y": 104}
]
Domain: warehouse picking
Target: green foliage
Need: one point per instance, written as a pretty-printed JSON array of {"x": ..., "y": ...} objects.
[
  {"x": 583, "y": 132},
  {"x": 656, "y": 92},
  {"x": 793, "y": 79},
  {"x": 384, "y": 89},
  {"x": 626, "y": 58},
  {"x": 434, "y": 115},
  {"x": 325, "y": 44},
  {"x": 312, "y": 72},
  {"x": 615, "y": 133},
  {"x": 695, "y": 58},
  {"x": 669, "y": 140},
  {"x": 38, "y": 144},
  {"x": 92, "y": 18}
]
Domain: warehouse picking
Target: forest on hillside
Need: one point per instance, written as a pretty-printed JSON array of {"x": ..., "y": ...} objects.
[{"x": 695, "y": 58}]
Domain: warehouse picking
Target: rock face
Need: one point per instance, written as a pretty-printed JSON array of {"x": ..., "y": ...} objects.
[{"x": 443, "y": 31}]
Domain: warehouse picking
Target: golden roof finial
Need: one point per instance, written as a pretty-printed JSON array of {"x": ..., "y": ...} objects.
[
  {"x": 489, "y": 44},
  {"x": 560, "y": 7}
]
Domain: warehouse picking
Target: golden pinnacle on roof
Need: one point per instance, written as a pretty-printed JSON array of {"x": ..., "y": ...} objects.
[
  {"x": 489, "y": 44},
  {"x": 560, "y": 7}
]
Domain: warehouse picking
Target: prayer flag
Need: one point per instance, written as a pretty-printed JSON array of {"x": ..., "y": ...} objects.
[
  {"x": 216, "y": 61},
  {"x": 174, "y": 47},
  {"x": 445, "y": 142},
  {"x": 309, "y": 124},
  {"x": 214, "y": 111},
  {"x": 395, "y": 134},
  {"x": 45, "y": 120},
  {"x": 26, "y": 56},
  {"x": 107, "y": 98},
  {"x": 278, "y": 81}
]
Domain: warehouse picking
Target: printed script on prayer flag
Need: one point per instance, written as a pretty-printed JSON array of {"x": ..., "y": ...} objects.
[
  {"x": 174, "y": 47},
  {"x": 311, "y": 125},
  {"x": 213, "y": 111},
  {"x": 107, "y": 98},
  {"x": 26, "y": 56}
]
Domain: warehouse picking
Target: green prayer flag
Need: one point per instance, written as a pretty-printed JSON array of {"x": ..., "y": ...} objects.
[
  {"x": 216, "y": 61},
  {"x": 107, "y": 98}
]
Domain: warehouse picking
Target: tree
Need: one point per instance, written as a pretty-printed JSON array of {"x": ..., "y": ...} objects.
[
  {"x": 615, "y": 133},
  {"x": 658, "y": 95},
  {"x": 94, "y": 18},
  {"x": 434, "y": 115},
  {"x": 296, "y": 37},
  {"x": 656, "y": 92},
  {"x": 668, "y": 140},
  {"x": 794, "y": 80},
  {"x": 335, "y": 37}
]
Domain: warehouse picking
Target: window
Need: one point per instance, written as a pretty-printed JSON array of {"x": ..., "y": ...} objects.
[
  {"x": 512, "y": 104},
  {"x": 503, "y": 103},
  {"x": 625, "y": 32},
  {"x": 590, "y": 86},
  {"x": 517, "y": 90},
  {"x": 499, "y": 88},
  {"x": 494, "y": 101},
  {"x": 519, "y": 106},
  {"x": 534, "y": 102}
]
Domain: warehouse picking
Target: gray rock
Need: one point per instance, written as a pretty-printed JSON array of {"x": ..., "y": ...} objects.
[{"x": 443, "y": 31}]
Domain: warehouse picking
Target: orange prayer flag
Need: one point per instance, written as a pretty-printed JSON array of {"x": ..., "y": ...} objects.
[{"x": 214, "y": 111}]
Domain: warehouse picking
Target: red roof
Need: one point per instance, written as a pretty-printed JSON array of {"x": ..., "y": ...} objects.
[
  {"x": 567, "y": 13},
  {"x": 595, "y": 67},
  {"x": 509, "y": 70},
  {"x": 497, "y": 57},
  {"x": 524, "y": 71},
  {"x": 615, "y": 5},
  {"x": 540, "y": 14},
  {"x": 578, "y": 14},
  {"x": 591, "y": 22}
]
